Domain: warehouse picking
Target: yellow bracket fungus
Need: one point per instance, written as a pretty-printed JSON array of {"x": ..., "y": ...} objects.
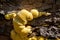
[{"x": 20, "y": 19}]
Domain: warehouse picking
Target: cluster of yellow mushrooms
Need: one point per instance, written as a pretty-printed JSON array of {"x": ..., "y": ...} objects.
[{"x": 20, "y": 19}]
